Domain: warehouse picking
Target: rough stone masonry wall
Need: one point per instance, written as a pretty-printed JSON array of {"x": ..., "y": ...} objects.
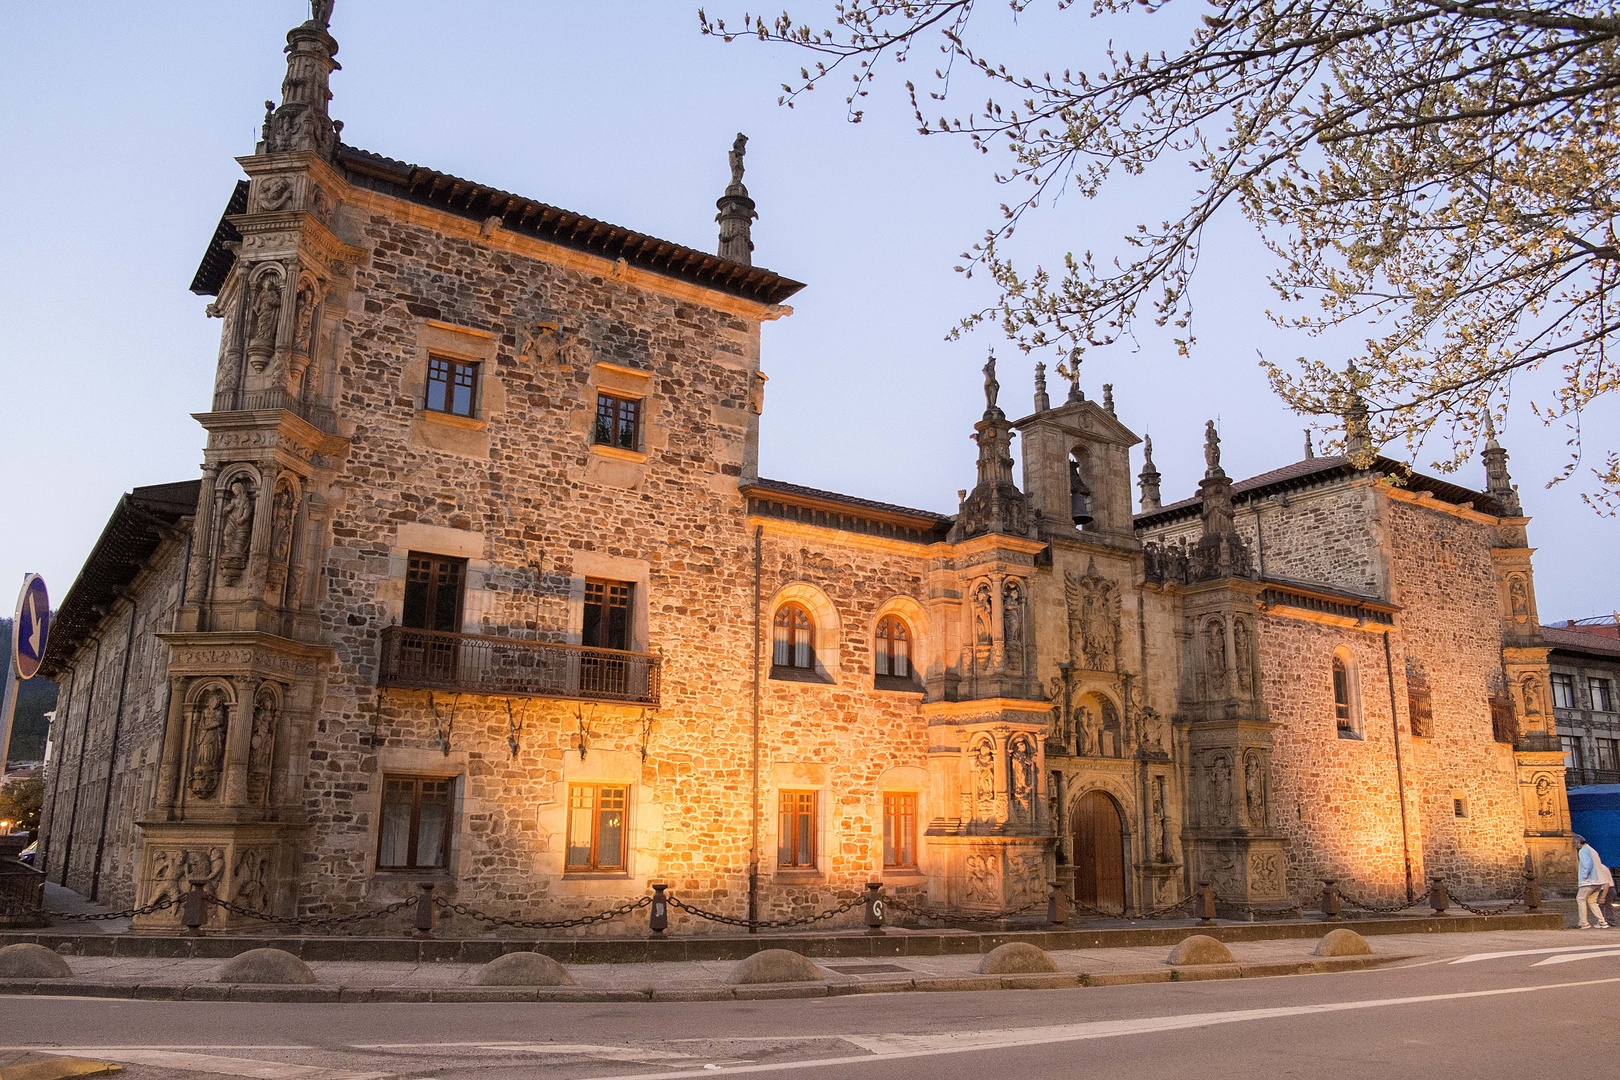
[
  {"x": 535, "y": 508},
  {"x": 84, "y": 758},
  {"x": 1449, "y": 632}
]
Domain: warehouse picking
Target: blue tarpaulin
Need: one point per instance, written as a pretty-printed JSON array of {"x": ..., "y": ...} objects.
[{"x": 1595, "y": 813}]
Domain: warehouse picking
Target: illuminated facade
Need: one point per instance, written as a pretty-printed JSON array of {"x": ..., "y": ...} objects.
[{"x": 480, "y": 585}]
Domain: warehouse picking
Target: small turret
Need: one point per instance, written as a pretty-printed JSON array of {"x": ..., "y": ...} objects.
[
  {"x": 1042, "y": 401},
  {"x": 302, "y": 121},
  {"x": 1148, "y": 478},
  {"x": 1498, "y": 484},
  {"x": 1358, "y": 443},
  {"x": 736, "y": 216}
]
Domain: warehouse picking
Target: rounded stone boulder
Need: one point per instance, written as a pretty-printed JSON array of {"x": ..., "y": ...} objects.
[
  {"x": 1016, "y": 958},
  {"x": 264, "y": 966},
  {"x": 28, "y": 961},
  {"x": 1343, "y": 942},
  {"x": 523, "y": 969},
  {"x": 775, "y": 966},
  {"x": 1199, "y": 949}
]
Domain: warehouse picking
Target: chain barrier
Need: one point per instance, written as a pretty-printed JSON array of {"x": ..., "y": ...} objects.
[
  {"x": 1382, "y": 909},
  {"x": 895, "y": 901},
  {"x": 767, "y": 924},
  {"x": 1168, "y": 911},
  {"x": 102, "y": 916},
  {"x": 538, "y": 924},
  {"x": 306, "y": 920}
]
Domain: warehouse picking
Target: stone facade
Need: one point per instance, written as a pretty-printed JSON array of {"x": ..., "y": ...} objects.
[
  {"x": 1139, "y": 702},
  {"x": 1585, "y": 692}
]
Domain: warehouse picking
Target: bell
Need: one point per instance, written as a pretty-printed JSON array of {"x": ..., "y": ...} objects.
[{"x": 1079, "y": 506}]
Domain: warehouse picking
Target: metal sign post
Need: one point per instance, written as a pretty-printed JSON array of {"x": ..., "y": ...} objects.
[{"x": 28, "y": 633}]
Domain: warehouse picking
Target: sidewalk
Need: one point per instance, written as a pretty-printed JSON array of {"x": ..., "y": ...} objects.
[{"x": 707, "y": 980}]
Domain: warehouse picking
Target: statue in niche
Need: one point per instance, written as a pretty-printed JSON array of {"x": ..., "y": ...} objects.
[
  {"x": 226, "y": 376},
  {"x": 1012, "y": 620},
  {"x": 1220, "y": 790},
  {"x": 236, "y": 530},
  {"x": 1093, "y": 603},
  {"x": 1089, "y": 732},
  {"x": 1254, "y": 790},
  {"x": 1519, "y": 598},
  {"x": 251, "y": 886},
  {"x": 1161, "y": 824},
  {"x": 1245, "y": 658},
  {"x": 1532, "y": 696},
  {"x": 281, "y": 521},
  {"x": 208, "y": 743},
  {"x": 982, "y": 633},
  {"x": 992, "y": 388},
  {"x": 304, "y": 318},
  {"x": 1215, "y": 656},
  {"x": 1152, "y": 735},
  {"x": 1545, "y": 804},
  {"x": 264, "y": 320},
  {"x": 1021, "y": 758},
  {"x": 1108, "y": 724},
  {"x": 984, "y": 780},
  {"x": 262, "y": 746}
]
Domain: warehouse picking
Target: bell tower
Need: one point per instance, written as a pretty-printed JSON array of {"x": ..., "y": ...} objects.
[{"x": 1077, "y": 465}]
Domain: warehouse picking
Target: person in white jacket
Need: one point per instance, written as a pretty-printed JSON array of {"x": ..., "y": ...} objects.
[{"x": 1594, "y": 879}]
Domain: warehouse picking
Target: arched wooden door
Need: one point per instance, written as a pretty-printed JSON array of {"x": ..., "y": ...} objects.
[{"x": 1099, "y": 853}]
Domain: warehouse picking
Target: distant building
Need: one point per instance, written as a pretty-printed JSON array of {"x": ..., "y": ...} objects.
[
  {"x": 480, "y": 586},
  {"x": 1585, "y": 681}
]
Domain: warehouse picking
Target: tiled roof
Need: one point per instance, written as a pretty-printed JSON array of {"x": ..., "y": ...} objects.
[
  {"x": 1569, "y": 639},
  {"x": 782, "y": 487},
  {"x": 479, "y": 202},
  {"x": 1315, "y": 470}
]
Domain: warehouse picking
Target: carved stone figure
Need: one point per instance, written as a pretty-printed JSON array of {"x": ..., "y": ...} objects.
[
  {"x": 1519, "y": 598},
  {"x": 1245, "y": 658},
  {"x": 1254, "y": 790},
  {"x": 167, "y": 880},
  {"x": 1090, "y": 732},
  {"x": 981, "y": 880},
  {"x": 262, "y": 746},
  {"x": 275, "y": 193},
  {"x": 739, "y": 147},
  {"x": 1220, "y": 790},
  {"x": 208, "y": 743},
  {"x": 251, "y": 886},
  {"x": 281, "y": 523},
  {"x": 1532, "y": 696},
  {"x": 264, "y": 321},
  {"x": 1012, "y": 619},
  {"x": 1152, "y": 728},
  {"x": 304, "y": 318},
  {"x": 1546, "y": 806},
  {"x": 982, "y": 601},
  {"x": 992, "y": 388},
  {"x": 1265, "y": 873},
  {"x": 1215, "y": 657},
  {"x": 1212, "y": 449},
  {"x": 1094, "y": 603},
  {"x": 1028, "y": 880},
  {"x": 984, "y": 780},
  {"x": 236, "y": 530},
  {"x": 1159, "y": 829},
  {"x": 1021, "y": 759},
  {"x": 1108, "y": 724}
]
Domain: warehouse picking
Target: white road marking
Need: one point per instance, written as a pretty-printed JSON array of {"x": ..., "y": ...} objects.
[
  {"x": 225, "y": 1066},
  {"x": 612, "y": 1053},
  {"x": 1567, "y": 957},
  {"x": 892, "y": 1047},
  {"x": 1472, "y": 957}
]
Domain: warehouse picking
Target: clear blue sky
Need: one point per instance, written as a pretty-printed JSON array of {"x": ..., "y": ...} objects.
[{"x": 120, "y": 123}]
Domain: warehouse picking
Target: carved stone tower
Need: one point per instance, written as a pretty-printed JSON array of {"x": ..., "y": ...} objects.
[
  {"x": 245, "y": 660},
  {"x": 736, "y": 214},
  {"x": 1078, "y": 455}
]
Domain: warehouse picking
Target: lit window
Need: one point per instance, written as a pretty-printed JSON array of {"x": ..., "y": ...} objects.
[
  {"x": 893, "y": 653},
  {"x": 415, "y": 833},
  {"x": 1563, "y": 691},
  {"x": 899, "y": 829},
  {"x": 796, "y": 837},
  {"x": 1608, "y": 754},
  {"x": 596, "y": 827},
  {"x": 452, "y": 386},
  {"x": 607, "y": 614},
  {"x": 1345, "y": 707},
  {"x": 794, "y": 645},
  {"x": 1573, "y": 757},
  {"x": 618, "y": 422}
]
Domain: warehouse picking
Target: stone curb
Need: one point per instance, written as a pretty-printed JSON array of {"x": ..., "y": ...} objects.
[{"x": 463, "y": 994}]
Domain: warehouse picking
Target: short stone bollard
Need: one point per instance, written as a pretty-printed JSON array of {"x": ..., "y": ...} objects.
[
  {"x": 1330, "y": 899},
  {"x": 1532, "y": 888},
  {"x": 26, "y": 960},
  {"x": 424, "y": 910},
  {"x": 775, "y": 966},
  {"x": 1342, "y": 942},
  {"x": 1199, "y": 949},
  {"x": 658, "y": 910},
  {"x": 194, "y": 909},
  {"x": 1057, "y": 906},
  {"x": 1017, "y": 958},
  {"x": 1205, "y": 907},
  {"x": 264, "y": 966},
  {"x": 524, "y": 969},
  {"x": 1438, "y": 898}
]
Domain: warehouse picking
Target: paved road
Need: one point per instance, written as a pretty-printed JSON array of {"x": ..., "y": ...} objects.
[{"x": 1540, "y": 1005}]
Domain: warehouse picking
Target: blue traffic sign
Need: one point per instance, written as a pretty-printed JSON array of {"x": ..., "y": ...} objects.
[{"x": 29, "y": 629}]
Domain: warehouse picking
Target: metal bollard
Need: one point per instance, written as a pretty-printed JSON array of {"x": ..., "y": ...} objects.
[
  {"x": 1437, "y": 895},
  {"x": 193, "y": 913},
  {"x": 1206, "y": 903},
  {"x": 424, "y": 910},
  {"x": 1532, "y": 888},
  {"x": 1330, "y": 899},
  {"x": 874, "y": 908},
  {"x": 1057, "y": 907},
  {"x": 658, "y": 913}
]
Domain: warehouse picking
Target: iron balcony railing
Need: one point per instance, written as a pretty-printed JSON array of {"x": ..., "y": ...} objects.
[
  {"x": 1575, "y": 776},
  {"x": 509, "y": 667},
  {"x": 276, "y": 397}
]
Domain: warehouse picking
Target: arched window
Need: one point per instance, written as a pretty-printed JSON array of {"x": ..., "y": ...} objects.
[
  {"x": 1346, "y": 695},
  {"x": 795, "y": 641},
  {"x": 893, "y": 651}
]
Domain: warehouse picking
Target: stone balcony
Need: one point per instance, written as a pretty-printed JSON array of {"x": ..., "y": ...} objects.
[
  {"x": 320, "y": 417},
  {"x": 510, "y": 667}
]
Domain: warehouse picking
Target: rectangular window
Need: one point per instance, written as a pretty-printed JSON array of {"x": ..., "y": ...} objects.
[
  {"x": 607, "y": 614},
  {"x": 618, "y": 422},
  {"x": 796, "y": 836},
  {"x": 1563, "y": 691},
  {"x": 415, "y": 832},
  {"x": 452, "y": 386},
  {"x": 1459, "y": 807},
  {"x": 1420, "y": 709},
  {"x": 433, "y": 585},
  {"x": 1608, "y": 754},
  {"x": 899, "y": 829},
  {"x": 596, "y": 827},
  {"x": 1602, "y": 695},
  {"x": 1573, "y": 758}
]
